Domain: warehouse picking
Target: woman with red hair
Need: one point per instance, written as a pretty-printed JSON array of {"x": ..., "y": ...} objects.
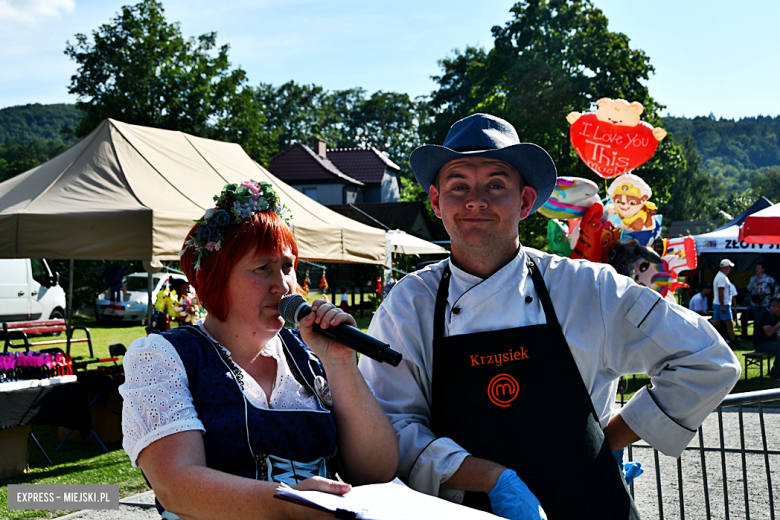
[{"x": 219, "y": 413}]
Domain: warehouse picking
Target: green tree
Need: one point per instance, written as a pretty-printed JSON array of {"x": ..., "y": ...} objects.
[
  {"x": 692, "y": 196},
  {"x": 19, "y": 156},
  {"x": 141, "y": 70},
  {"x": 767, "y": 183},
  {"x": 297, "y": 113},
  {"x": 551, "y": 58}
]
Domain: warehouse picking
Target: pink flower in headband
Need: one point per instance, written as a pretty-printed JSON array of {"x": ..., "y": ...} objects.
[{"x": 253, "y": 187}]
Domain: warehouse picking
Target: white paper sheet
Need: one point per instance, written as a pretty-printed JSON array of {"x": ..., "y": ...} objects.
[{"x": 391, "y": 501}]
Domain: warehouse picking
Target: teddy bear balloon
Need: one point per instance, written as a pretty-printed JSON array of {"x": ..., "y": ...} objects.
[{"x": 613, "y": 141}]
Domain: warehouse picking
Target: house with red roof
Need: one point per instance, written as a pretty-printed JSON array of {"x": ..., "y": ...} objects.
[{"x": 339, "y": 176}]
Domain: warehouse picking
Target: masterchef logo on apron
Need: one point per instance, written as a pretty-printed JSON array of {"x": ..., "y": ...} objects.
[{"x": 502, "y": 390}]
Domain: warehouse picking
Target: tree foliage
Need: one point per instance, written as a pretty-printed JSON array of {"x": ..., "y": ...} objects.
[
  {"x": 767, "y": 183},
  {"x": 17, "y": 156},
  {"x": 140, "y": 69},
  {"x": 343, "y": 118},
  {"x": 551, "y": 58}
]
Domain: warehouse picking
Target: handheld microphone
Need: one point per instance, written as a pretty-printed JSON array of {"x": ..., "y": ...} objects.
[{"x": 294, "y": 308}]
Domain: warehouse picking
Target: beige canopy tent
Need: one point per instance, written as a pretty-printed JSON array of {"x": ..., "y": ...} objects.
[{"x": 128, "y": 192}]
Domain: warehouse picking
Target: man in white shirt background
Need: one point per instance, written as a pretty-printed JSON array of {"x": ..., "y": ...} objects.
[
  {"x": 699, "y": 303},
  {"x": 512, "y": 356},
  {"x": 722, "y": 301}
]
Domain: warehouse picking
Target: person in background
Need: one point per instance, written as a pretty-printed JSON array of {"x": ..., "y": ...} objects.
[
  {"x": 218, "y": 414},
  {"x": 344, "y": 303},
  {"x": 113, "y": 276},
  {"x": 765, "y": 329},
  {"x": 699, "y": 303},
  {"x": 721, "y": 303},
  {"x": 762, "y": 288}
]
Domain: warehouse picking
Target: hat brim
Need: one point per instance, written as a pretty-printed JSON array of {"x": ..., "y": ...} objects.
[{"x": 531, "y": 160}]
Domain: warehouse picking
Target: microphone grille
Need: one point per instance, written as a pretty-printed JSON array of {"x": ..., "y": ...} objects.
[{"x": 288, "y": 307}]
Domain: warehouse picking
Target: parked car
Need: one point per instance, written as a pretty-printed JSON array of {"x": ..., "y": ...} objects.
[
  {"x": 135, "y": 298},
  {"x": 29, "y": 291}
]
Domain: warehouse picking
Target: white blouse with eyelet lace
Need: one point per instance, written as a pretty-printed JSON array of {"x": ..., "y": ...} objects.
[{"x": 157, "y": 399}]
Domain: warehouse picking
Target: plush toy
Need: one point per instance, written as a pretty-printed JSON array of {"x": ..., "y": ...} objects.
[
  {"x": 571, "y": 198},
  {"x": 613, "y": 140},
  {"x": 629, "y": 195}
]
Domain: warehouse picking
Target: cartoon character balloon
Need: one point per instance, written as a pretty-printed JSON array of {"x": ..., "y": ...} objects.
[
  {"x": 588, "y": 244},
  {"x": 613, "y": 141},
  {"x": 630, "y": 196}
]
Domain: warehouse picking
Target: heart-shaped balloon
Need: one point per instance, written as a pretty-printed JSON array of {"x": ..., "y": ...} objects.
[{"x": 610, "y": 149}]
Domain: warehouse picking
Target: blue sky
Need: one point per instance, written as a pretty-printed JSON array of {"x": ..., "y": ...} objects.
[{"x": 711, "y": 56}]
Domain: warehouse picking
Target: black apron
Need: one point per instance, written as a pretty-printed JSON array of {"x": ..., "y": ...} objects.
[{"x": 516, "y": 397}]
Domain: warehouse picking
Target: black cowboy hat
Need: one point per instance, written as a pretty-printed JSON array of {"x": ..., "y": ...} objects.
[{"x": 483, "y": 135}]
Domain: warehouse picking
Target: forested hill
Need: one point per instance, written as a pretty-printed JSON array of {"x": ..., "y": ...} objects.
[
  {"x": 750, "y": 143},
  {"x": 32, "y": 134},
  {"x": 38, "y": 122}
]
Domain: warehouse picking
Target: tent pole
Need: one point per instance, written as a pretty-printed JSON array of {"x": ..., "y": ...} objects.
[
  {"x": 70, "y": 293},
  {"x": 149, "y": 288}
]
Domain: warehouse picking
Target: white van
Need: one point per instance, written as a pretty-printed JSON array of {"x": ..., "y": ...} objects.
[{"x": 29, "y": 291}]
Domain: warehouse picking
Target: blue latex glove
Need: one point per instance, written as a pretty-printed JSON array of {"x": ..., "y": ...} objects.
[
  {"x": 631, "y": 470},
  {"x": 511, "y": 498}
]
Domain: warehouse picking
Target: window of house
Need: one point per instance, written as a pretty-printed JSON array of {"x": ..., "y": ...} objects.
[{"x": 310, "y": 192}]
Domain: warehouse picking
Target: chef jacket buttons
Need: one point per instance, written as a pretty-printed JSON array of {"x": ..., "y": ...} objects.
[
  {"x": 456, "y": 310},
  {"x": 529, "y": 299}
]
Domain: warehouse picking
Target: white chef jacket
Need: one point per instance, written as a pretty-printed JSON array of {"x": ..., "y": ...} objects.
[{"x": 613, "y": 327}]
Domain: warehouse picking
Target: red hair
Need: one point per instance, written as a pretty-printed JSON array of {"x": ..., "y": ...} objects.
[{"x": 265, "y": 232}]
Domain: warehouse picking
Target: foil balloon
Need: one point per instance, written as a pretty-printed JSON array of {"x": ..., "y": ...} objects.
[
  {"x": 556, "y": 238},
  {"x": 613, "y": 140},
  {"x": 680, "y": 254},
  {"x": 659, "y": 277},
  {"x": 645, "y": 237},
  {"x": 630, "y": 196},
  {"x": 571, "y": 198},
  {"x": 623, "y": 255},
  {"x": 589, "y": 243}
]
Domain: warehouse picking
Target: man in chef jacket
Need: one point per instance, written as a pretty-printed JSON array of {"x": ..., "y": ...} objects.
[{"x": 511, "y": 357}]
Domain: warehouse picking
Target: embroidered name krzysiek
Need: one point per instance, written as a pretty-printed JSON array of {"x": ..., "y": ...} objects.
[{"x": 499, "y": 359}]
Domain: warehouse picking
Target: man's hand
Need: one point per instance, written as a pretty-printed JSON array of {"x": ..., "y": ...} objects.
[{"x": 511, "y": 498}]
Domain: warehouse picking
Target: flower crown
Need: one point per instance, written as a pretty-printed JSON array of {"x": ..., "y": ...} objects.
[{"x": 235, "y": 203}]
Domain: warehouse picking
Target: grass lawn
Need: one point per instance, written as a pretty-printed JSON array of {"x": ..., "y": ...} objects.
[{"x": 75, "y": 463}]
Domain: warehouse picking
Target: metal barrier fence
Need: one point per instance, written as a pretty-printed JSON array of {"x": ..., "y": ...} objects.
[{"x": 697, "y": 475}]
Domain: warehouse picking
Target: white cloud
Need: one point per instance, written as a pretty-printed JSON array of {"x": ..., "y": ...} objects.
[{"x": 30, "y": 12}]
